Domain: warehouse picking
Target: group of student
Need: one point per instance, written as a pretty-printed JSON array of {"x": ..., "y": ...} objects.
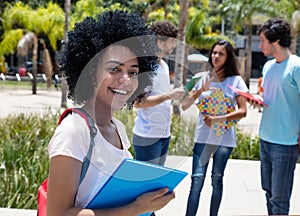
[{"x": 117, "y": 59}]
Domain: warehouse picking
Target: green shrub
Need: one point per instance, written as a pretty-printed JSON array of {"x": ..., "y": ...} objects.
[
  {"x": 23, "y": 158},
  {"x": 247, "y": 147},
  {"x": 182, "y": 136}
]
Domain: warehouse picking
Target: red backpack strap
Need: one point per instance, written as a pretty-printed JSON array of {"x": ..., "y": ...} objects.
[
  {"x": 76, "y": 110},
  {"x": 93, "y": 131}
]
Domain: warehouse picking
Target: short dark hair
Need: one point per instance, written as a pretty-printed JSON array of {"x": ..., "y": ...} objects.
[
  {"x": 164, "y": 29},
  {"x": 93, "y": 35},
  {"x": 230, "y": 66},
  {"x": 277, "y": 29}
]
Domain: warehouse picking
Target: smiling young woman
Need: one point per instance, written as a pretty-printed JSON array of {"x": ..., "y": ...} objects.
[
  {"x": 107, "y": 61},
  {"x": 207, "y": 144}
]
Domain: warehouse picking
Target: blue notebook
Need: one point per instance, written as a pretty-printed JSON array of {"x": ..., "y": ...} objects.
[{"x": 133, "y": 178}]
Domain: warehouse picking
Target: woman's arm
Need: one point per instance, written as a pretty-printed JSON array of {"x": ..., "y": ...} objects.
[
  {"x": 64, "y": 174},
  {"x": 193, "y": 95},
  {"x": 63, "y": 183},
  {"x": 190, "y": 99},
  {"x": 149, "y": 101}
]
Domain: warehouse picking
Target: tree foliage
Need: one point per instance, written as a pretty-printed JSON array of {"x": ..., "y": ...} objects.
[
  {"x": 286, "y": 8},
  {"x": 46, "y": 22},
  {"x": 84, "y": 8},
  {"x": 200, "y": 32},
  {"x": 241, "y": 14},
  {"x": 10, "y": 40},
  {"x": 50, "y": 17}
]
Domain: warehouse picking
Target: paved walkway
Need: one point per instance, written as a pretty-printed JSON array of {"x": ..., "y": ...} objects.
[
  {"x": 242, "y": 192},
  {"x": 23, "y": 101}
]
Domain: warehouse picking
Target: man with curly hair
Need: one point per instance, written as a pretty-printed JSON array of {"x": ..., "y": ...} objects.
[
  {"x": 106, "y": 60},
  {"x": 151, "y": 132},
  {"x": 280, "y": 123}
]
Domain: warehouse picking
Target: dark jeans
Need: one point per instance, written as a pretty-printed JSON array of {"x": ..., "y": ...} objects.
[
  {"x": 153, "y": 150},
  {"x": 201, "y": 156},
  {"x": 278, "y": 164}
]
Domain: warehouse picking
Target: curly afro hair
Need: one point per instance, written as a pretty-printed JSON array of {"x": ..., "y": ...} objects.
[
  {"x": 93, "y": 35},
  {"x": 164, "y": 29}
]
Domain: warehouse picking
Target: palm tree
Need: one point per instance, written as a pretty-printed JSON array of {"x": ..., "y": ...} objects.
[
  {"x": 199, "y": 30},
  {"x": 18, "y": 16},
  {"x": 242, "y": 13},
  {"x": 15, "y": 21},
  {"x": 20, "y": 19},
  {"x": 28, "y": 41}
]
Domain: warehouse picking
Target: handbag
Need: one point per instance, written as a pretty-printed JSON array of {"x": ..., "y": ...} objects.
[{"x": 43, "y": 188}]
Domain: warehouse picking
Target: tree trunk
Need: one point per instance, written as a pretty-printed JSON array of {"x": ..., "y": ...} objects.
[
  {"x": 180, "y": 50},
  {"x": 64, "y": 86},
  {"x": 186, "y": 64},
  {"x": 294, "y": 31},
  {"x": 249, "y": 55},
  {"x": 34, "y": 64}
]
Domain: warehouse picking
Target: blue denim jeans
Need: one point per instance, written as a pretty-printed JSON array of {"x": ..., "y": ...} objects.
[
  {"x": 201, "y": 156},
  {"x": 278, "y": 164},
  {"x": 153, "y": 150}
]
